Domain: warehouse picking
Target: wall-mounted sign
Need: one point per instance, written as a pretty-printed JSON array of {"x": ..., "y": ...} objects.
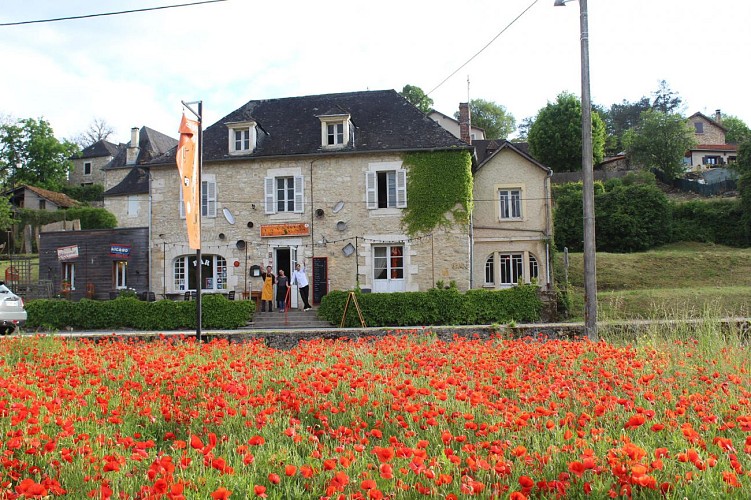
[
  {"x": 67, "y": 253},
  {"x": 121, "y": 251},
  {"x": 288, "y": 229}
]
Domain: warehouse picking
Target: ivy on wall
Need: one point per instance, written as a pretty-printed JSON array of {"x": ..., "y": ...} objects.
[{"x": 438, "y": 183}]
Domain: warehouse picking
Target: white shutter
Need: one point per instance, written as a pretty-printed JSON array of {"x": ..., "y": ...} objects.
[
  {"x": 211, "y": 199},
  {"x": 182, "y": 204},
  {"x": 299, "y": 194},
  {"x": 268, "y": 191},
  {"x": 371, "y": 193},
  {"x": 401, "y": 189}
]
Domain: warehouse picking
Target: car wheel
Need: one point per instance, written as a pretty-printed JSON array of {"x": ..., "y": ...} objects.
[{"x": 5, "y": 330}]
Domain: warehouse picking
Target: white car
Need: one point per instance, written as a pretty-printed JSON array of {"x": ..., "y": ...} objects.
[{"x": 12, "y": 313}]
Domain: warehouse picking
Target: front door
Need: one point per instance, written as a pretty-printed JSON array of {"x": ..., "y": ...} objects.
[
  {"x": 388, "y": 268},
  {"x": 284, "y": 259}
]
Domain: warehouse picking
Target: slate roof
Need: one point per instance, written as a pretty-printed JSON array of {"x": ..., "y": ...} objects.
[
  {"x": 152, "y": 144},
  {"x": 487, "y": 149},
  {"x": 136, "y": 182},
  {"x": 99, "y": 149},
  {"x": 382, "y": 121}
]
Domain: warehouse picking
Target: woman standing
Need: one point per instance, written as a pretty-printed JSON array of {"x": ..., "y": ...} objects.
[
  {"x": 282, "y": 285},
  {"x": 267, "y": 291}
]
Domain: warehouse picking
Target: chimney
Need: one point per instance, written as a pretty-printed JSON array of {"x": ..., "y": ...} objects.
[
  {"x": 465, "y": 122},
  {"x": 133, "y": 149},
  {"x": 718, "y": 116}
]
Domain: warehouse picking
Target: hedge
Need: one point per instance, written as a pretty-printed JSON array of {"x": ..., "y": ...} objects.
[
  {"x": 435, "y": 307},
  {"x": 126, "y": 312}
]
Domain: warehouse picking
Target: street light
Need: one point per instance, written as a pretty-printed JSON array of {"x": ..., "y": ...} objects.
[{"x": 590, "y": 268}]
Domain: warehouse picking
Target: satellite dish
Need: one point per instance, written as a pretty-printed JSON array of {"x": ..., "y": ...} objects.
[
  {"x": 339, "y": 205},
  {"x": 228, "y": 215}
]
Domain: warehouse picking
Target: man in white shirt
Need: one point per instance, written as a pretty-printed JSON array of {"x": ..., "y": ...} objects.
[{"x": 301, "y": 280}]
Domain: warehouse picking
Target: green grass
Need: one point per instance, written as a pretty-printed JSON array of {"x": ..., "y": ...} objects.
[{"x": 679, "y": 280}]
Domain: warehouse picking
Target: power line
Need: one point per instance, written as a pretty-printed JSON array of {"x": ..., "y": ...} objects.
[
  {"x": 86, "y": 16},
  {"x": 485, "y": 47}
]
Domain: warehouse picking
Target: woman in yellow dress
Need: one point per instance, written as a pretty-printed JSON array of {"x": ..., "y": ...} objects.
[{"x": 267, "y": 292}]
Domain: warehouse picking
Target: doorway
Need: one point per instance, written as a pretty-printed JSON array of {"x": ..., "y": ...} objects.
[{"x": 285, "y": 259}]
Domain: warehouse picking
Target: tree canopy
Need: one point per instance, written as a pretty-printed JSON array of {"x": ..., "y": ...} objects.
[
  {"x": 660, "y": 141},
  {"x": 666, "y": 100},
  {"x": 30, "y": 154},
  {"x": 494, "y": 118},
  {"x": 620, "y": 118},
  {"x": 737, "y": 132},
  {"x": 416, "y": 96},
  {"x": 555, "y": 137}
]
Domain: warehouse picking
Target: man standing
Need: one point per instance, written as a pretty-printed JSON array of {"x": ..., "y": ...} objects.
[{"x": 301, "y": 280}]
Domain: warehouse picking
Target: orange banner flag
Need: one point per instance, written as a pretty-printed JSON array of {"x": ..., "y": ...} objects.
[{"x": 187, "y": 165}]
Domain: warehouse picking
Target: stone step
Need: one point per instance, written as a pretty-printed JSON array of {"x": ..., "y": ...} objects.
[{"x": 295, "y": 319}]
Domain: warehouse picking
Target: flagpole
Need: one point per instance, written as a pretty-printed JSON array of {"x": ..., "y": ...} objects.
[{"x": 199, "y": 260}]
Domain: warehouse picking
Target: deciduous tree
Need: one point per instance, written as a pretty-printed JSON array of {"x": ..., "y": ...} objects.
[
  {"x": 660, "y": 141},
  {"x": 494, "y": 118},
  {"x": 555, "y": 138},
  {"x": 98, "y": 130},
  {"x": 737, "y": 132},
  {"x": 30, "y": 154},
  {"x": 416, "y": 96}
]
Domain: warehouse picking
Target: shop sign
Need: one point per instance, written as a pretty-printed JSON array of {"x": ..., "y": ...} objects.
[
  {"x": 121, "y": 251},
  {"x": 287, "y": 229},
  {"x": 67, "y": 253}
]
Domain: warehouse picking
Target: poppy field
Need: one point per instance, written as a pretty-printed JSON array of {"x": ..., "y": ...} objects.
[{"x": 404, "y": 416}]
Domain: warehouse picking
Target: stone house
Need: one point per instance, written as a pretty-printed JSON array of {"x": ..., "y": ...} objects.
[
  {"x": 316, "y": 179},
  {"x": 36, "y": 198},
  {"x": 88, "y": 167},
  {"x": 452, "y": 124},
  {"x": 512, "y": 218},
  {"x": 710, "y": 150},
  {"x": 126, "y": 183}
]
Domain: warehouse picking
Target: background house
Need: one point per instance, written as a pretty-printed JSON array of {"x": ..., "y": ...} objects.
[
  {"x": 710, "y": 151},
  {"x": 454, "y": 126},
  {"x": 88, "y": 167},
  {"x": 36, "y": 198}
]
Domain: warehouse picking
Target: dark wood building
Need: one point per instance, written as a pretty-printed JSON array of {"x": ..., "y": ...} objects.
[{"x": 95, "y": 263}]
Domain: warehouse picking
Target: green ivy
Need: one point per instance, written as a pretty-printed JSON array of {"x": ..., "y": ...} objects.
[{"x": 438, "y": 183}]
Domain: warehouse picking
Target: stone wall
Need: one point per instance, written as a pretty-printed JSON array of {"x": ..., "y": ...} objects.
[{"x": 97, "y": 175}]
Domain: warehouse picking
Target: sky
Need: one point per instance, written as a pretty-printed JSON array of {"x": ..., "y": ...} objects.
[{"x": 135, "y": 69}]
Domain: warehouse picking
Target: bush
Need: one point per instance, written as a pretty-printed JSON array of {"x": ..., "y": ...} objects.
[
  {"x": 127, "y": 312},
  {"x": 435, "y": 307},
  {"x": 715, "y": 221}
]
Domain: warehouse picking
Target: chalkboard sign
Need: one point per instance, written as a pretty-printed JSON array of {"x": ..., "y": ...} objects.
[{"x": 320, "y": 278}]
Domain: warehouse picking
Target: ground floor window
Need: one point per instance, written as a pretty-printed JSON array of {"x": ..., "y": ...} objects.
[
  {"x": 213, "y": 272},
  {"x": 69, "y": 275},
  {"x": 508, "y": 269},
  {"x": 511, "y": 268},
  {"x": 388, "y": 262},
  {"x": 490, "y": 270},
  {"x": 120, "y": 271}
]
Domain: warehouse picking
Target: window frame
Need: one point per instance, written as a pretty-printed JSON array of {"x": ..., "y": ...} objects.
[
  {"x": 392, "y": 272},
  {"x": 340, "y": 138},
  {"x": 249, "y": 137},
  {"x": 511, "y": 268},
  {"x": 183, "y": 272},
  {"x": 87, "y": 168},
  {"x": 270, "y": 194},
  {"x": 699, "y": 128},
  {"x": 490, "y": 270},
  {"x": 69, "y": 274},
  {"x": 375, "y": 193},
  {"x": 120, "y": 274},
  {"x": 510, "y": 203}
]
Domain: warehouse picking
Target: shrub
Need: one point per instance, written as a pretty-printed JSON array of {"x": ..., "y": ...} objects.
[
  {"x": 716, "y": 221},
  {"x": 434, "y": 307},
  {"x": 127, "y": 312}
]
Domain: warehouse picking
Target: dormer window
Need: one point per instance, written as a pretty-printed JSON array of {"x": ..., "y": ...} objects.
[
  {"x": 242, "y": 137},
  {"x": 334, "y": 130}
]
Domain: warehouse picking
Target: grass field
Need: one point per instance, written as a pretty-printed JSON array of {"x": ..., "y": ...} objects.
[{"x": 680, "y": 280}]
